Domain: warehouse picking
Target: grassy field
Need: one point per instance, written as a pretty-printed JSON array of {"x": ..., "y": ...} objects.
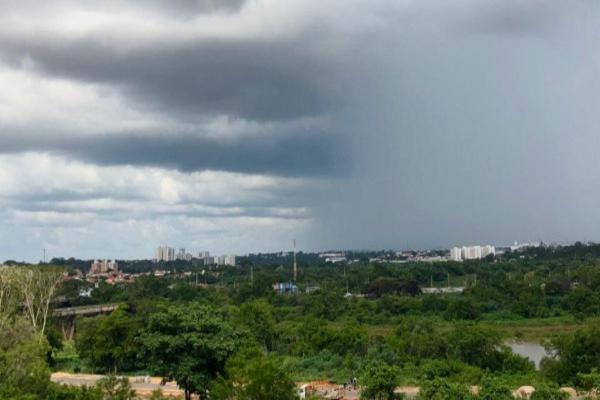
[{"x": 534, "y": 329}]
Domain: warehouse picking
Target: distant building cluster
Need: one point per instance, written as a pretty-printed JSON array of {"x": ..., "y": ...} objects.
[
  {"x": 182, "y": 255},
  {"x": 166, "y": 253},
  {"x": 226, "y": 260},
  {"x": 333, "y": 258},
  {"x": 100, "y": 267},
  {"x": 285, "y": 288},
  {"x": 471, "y": 252}
]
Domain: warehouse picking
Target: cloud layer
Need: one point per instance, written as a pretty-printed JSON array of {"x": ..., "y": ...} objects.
[{"x": 235, "y": 126}]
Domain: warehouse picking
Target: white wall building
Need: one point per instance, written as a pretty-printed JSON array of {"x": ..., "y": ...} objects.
[
  {"x": 471, "y": 252},
  {"x": 226, "y": 260},
  {"x": 455, "y": 254},
  {"x": 164, "y": 253},
  {"x": 181, "y": 254},
  {"x": 104, "y": 266},
  {"x": 487, "y": 250}
]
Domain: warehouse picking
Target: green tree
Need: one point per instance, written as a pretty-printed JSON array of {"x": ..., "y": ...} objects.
[
  {"x": 189, "y": 344},
  {"x": 441, "y": 389},
  {"x": 257, "y": 315},
  {"x": 63, "y": 392},
  {"x": 548, "y": 392},
  {"x": 491, "y": 389},
  {"x": 253, "y": 376},
  {"x": 108, "y": 342},
  {"x": 116, "y": 388},
  {"x": 417, "y": 338},
  {"x": 590, "y": 381},
  {"x": 378, "y": 381},
  {"x": 158, "y": 395},
  {"x": 573, "y": 353},
  {"x": 24, "y": 373}
]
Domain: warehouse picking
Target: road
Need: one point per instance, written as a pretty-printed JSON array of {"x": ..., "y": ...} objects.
[{"x": 143, "y": 387}]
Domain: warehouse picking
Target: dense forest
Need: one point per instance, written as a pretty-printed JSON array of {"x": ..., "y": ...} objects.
[{"x": 222, "y": 332}]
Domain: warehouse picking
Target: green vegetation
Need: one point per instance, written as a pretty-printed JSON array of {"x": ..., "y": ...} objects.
[
  {"x": 253, "y": 376},
  {"x": 379, "y": 381},
  {"x": 190, "y": 345},
  {"x": 232, "y": 337}
]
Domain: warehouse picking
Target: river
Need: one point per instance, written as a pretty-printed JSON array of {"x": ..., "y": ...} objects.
[{"x": 531, "y": 350}]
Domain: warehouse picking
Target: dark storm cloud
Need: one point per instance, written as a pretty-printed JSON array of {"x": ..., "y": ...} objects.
[
  {"x": 58, "y": 196},
  {"x": 452, "y": 123},
  {"x": 515, "y": 17},
  {"x": 252, "y": 79},
  {"x": 294, "y": 156},
  {"x": 116, "y": 213},
  {"x": 187, "y": 8},
  {"x": 174, "y": 8}
]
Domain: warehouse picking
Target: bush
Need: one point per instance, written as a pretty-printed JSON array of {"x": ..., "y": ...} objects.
[
  {"x": 378, "y": 382},
  {"x": 491, "y": 389},
  {"x": 548, "y": 392},
  {"x": 441, "y": 389}
]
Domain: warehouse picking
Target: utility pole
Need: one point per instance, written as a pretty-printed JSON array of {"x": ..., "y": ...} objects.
[
  {"x": 252, "y": 275},
  {"x": 295, "y": 265},
  {"x": 346, "y": 278},
  {"x": 448, "y": 279},
  {"x": 44, "y": 255}
]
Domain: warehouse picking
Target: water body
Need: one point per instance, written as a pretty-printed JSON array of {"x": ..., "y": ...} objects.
[{"x": 531, "y": 350}]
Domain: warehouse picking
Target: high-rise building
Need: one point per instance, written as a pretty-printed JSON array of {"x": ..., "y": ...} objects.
[
  {"x": 487, "y": 250},
  {"x": 455, "y": 254},
  {"x": 164, "y": 253},
  {"x": 471, "y": 252},
  {"x": 181, "y": 254},
  {"x": 228, "y": 260},
  {"x": 104, "y": 266}
]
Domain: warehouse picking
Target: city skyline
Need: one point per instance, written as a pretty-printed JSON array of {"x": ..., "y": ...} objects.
[
  {"x": 238, "y": 126},
  {"x": 333, "y": 255}
]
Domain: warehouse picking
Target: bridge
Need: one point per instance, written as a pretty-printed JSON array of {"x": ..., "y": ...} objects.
[
  {"x": 67, "y": 316},
  {"x": 84, "y": 310}
]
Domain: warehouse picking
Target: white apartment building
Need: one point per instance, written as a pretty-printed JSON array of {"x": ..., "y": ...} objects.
[
  {"x": 181, "y": 254},
  {"x": 487, "y": 250},
  {"x": 229, "y": 260},
  {"x": 203, "y": 254},
  {"x": 103, "y": 266},
  {"x": 471, "y": 252},
  {"x": 164, "y": 253},
  {"x": 226, "y": 260},
  {"x": 455, "y": 254}
]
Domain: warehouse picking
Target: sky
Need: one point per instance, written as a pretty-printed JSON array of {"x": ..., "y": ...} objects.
[{"x": 235, "y": 126}]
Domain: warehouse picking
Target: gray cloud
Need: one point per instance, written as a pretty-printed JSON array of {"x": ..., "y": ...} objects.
[
  {"x": 185, "y": 9},
  {"x": 309, "y": 154},
  {"x": 251, "y": 79},
  {"x": 446, "y": 124}
]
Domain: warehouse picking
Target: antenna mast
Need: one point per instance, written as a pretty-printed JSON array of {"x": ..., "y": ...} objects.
[{"x": 295, "y": 265}]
